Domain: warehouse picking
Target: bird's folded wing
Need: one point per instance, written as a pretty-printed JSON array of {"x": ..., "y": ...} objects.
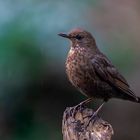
[{"x": 107, "y": 72}]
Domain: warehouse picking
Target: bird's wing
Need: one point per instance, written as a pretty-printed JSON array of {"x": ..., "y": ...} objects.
[{"x": 107, "y": 72}]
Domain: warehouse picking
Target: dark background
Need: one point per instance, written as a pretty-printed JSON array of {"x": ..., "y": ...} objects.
[{"x": 34, "y": 90}]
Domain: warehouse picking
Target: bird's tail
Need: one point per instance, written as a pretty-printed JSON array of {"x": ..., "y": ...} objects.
[{"x": 137, "y": 99}]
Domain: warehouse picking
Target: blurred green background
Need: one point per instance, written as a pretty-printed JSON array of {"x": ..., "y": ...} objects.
[{"x": 34, "y": 90}]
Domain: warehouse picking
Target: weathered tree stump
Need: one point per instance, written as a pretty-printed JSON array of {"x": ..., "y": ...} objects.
[{"x": 76, "y": 128}]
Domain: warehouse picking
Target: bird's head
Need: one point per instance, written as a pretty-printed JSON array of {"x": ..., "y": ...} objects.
[{"x": 79, "y": 37}]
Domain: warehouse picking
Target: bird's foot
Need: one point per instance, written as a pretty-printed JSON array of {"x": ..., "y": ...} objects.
[
  {"x": 77, "y": 108},
  {"x": 94, "y": 116},
  {"x": 80, "y": 107},
  {"x": 71, "y": 111},
  {"x": 92, "y": 119}
]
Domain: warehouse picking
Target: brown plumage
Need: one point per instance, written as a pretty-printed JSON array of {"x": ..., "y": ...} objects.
[{"x": 91, "y": 72}]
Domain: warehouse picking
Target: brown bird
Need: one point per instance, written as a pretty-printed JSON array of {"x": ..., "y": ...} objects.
[{"x": 91, "y": 72}]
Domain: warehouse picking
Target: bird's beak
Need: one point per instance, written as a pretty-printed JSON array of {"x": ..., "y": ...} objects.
[{"x": 64, "y": 35}]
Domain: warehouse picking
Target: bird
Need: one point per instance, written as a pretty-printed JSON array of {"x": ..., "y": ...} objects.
[{"x": 91, "y": 72}]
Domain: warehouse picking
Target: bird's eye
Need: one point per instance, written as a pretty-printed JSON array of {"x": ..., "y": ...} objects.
[{"x": 78, "y": 37}]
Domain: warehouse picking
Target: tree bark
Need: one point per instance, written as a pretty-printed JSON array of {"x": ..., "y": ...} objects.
[{"x": 78, "y": 125}]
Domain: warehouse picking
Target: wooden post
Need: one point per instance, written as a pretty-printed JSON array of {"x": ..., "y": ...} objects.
[{"x": 75, "y": 128}]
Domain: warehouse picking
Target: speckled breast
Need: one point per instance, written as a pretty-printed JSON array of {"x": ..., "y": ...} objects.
[
  {"x": 82, "y": 75},
  {"x": 77, "y": 68}
]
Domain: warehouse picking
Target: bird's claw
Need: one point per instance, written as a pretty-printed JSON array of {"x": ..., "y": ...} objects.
[
  {"x": 92, "y": 119},
  {"x": 76, "y": 108}
]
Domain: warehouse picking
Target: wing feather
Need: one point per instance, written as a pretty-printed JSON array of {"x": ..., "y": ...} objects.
[{"x": 107, "y": 72}]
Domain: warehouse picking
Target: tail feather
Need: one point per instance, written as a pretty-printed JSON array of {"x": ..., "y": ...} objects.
[
  {"x": 137, "y": 99},
  {"x": 132, "y": 98}
]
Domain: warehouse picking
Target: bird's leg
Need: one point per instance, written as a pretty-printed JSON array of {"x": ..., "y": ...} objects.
[
  {"x": 79, "y": 106},
  {"x": 94, "y": 115}
]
